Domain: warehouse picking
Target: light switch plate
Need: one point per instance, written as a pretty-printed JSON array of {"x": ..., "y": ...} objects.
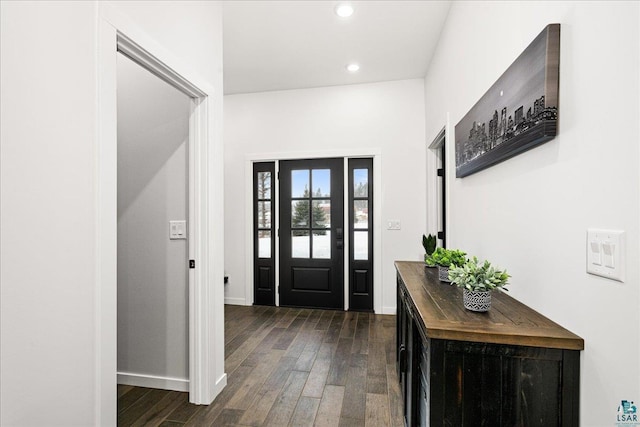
[
  {"x": 606, "y": 253},
  {"x": 393, "y": 225},
  {"x": 177, "y": 230}
]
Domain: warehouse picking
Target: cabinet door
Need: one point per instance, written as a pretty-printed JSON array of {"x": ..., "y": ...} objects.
[
  {"x": 400, "y": 332},
  {"x": 410, "y": 380},
  {"x": 408, "y": 386},
  {"x": 495, "y": 385},
  {"x": 422, "y": 396},
  {"x": 406, "y": 355}
]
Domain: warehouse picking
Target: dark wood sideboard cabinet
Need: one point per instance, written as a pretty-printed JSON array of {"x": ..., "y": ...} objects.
[{"x": 509, "y": 367}]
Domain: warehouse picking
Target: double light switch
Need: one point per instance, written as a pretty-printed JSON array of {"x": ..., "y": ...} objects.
[
  {"x": 605, "y": 253},
  {"x": 177, "y": 230}
]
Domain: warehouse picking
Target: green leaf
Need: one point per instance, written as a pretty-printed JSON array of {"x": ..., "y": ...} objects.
[{"x": 472, "y": 276}]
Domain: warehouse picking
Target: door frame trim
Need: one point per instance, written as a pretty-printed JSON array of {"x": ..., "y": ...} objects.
[
  {"x": 116, "y": 32},
  {"x": 374, "y": 153},
  {"x": 434, "y": 198}
]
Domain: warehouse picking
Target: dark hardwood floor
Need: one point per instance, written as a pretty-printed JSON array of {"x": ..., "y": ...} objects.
[{"x": 285, "y": 366}]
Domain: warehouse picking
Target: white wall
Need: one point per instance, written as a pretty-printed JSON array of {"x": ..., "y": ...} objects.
[
  {"x": 388, "y": 117},
  {"x": 47, "y": 213},
  {"x": 530, "y": 214},
  {"x": 153, "y": 134},
  {"x": 48, "y": 190}
]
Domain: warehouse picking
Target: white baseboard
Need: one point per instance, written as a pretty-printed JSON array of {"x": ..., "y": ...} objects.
[
  {"x": 220, "y": 384},
  {"x": 389, "y": 310},
  {"x": 235, "y": 301},
  {"x": 151, "y": 381}
]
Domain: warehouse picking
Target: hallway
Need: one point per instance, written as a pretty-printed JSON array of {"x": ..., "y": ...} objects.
[{"x": 289, "y": 366}]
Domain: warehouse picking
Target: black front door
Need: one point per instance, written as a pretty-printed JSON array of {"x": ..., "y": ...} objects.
[{"x": 311, "y": 233}]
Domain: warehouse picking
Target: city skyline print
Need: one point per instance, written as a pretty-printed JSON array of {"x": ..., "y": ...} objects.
[{"x": 519, "y": 112}]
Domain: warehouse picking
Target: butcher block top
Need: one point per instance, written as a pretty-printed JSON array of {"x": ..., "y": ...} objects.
[{"x": 439, "y": 311}]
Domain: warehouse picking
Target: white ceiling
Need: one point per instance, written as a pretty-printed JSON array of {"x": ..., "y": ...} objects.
[{"x": 277, "y": 45}]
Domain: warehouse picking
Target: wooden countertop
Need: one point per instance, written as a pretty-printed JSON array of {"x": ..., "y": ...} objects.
[{"x": 439, "y": 311}]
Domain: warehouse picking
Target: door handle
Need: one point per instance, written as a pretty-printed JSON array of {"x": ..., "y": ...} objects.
[
  {"x": 339, "y": 233},
  {"x": 402, "y": 359},
  {"x": 339, "y": 244}
]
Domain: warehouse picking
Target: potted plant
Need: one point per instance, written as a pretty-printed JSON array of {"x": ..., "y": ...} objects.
[
  {"x": 429, "y": 245},
  {"x": 477, "y": 281},
  {"x": 445, "y": 258}
]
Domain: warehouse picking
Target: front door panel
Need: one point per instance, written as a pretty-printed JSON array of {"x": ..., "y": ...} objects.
[{"x": 311, "y": 233}]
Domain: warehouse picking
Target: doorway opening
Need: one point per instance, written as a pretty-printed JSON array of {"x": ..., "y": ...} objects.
[
  {"x": 153, "y": 230},
  {"x": 205, "y": 314},
  {"x": 437, "y": 160}
]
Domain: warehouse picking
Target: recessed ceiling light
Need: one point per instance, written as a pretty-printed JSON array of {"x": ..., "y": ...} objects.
[
  {"x": 352, "y": 68},
  {"x": 344, "y": 10}
]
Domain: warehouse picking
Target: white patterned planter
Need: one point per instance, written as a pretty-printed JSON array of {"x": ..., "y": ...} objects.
[
  {"x": 443, "y": 274},
  {"x": 476, "y": 300}
]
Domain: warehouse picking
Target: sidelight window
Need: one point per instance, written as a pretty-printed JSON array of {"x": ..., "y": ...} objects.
[
  {"x": 361, "y": 234},
  {"x": 264, "y": 232},
  {"x": 360, "y": 203}
]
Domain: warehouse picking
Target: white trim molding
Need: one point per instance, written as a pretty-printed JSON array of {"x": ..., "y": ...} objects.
[
  {"x": 433, "y": 201},
  {"x": 345, "y": 236},
  {"x": 206, "y": 315},
  {"x": 450, "y": 170},
  {"x": 389, "y": 310},
  {"x": 106, "y": 228},
  {"x": 151, "y": 381},
  {"x": 434, "y": 197}
]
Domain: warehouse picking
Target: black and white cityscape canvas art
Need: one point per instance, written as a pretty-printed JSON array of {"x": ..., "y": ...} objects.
[{"x": 519, "y": 112}]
